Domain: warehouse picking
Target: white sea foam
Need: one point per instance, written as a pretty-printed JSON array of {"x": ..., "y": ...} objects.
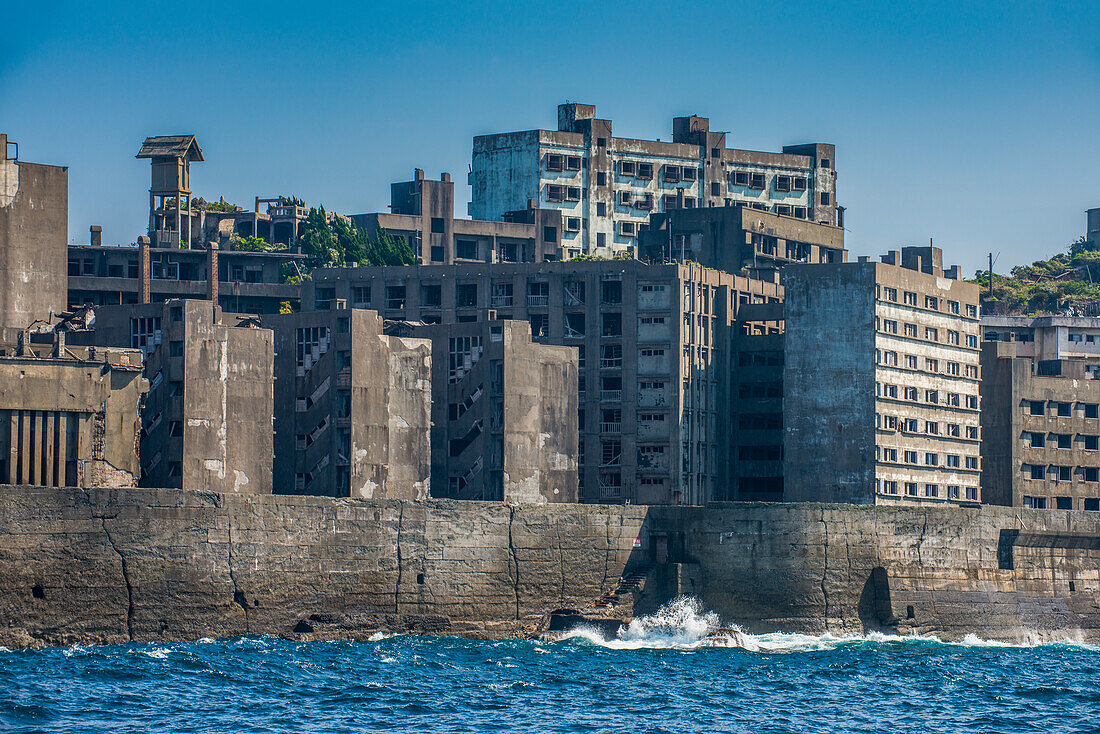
[
  {"x": 377, "y": 636},
  {"x": 682, "y": 625}
]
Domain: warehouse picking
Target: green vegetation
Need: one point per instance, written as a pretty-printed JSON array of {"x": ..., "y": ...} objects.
[
  {"x": 334, "y": 242},
  {"x": 1067, "y": 283},
  {"x": 213, "y": 206},
  {"x": 249, "y": 243}
]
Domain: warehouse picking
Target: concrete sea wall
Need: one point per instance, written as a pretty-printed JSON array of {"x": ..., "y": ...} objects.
[{"x": 111, "y": 565}]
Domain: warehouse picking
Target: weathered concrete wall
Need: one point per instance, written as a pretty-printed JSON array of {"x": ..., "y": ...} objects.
[
  {"x": 71, "y": 419},
  {"x": 113, "y": 565},
  {"x": 34, "y": 227}
]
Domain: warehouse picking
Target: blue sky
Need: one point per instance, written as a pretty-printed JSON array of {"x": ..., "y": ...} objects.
[{"x": 976, "y": 124}]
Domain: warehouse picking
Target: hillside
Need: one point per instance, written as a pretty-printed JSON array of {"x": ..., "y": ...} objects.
[{"x": 1067, "y": 284}]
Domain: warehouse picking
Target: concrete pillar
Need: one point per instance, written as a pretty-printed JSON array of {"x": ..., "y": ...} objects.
[
  {"x": 212, "y": 274},
  {"x": 146, "y": 270},
  {"x": 62, "y": 448}
]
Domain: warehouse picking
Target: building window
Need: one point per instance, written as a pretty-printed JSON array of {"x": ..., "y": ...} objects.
[
  {"x": 466, "y": 295},
  {"x": 1037, "y": 473},
  {"x": 1092, "y": 474},
  {"x": 826, "y": 198},
  {"x": 175, "y": 349},
  {"x": 953, "y": 461},
  {"x": 645, "y": 170},
  {"x": 972, "y": 462},
  {"x": 573, "y": 163},
  {"x": 911, "y": 489},
  {"x": 601, "y": 179},
  {"x": 1038, "y": 503},
  {"x": 466, "y": 249},
  {"x": 1037, "y": 440},
  {"x": 757, "y": 181},
  {"x": 910, "y": 298},
  {"x": 395, "y": 296},
  {"x": 952, "y": 492},
  {"x": 1037, "y": 407},
  {"x": 1065, "y": 410},
  {"x": 1092, "y": 410},
  {"x": 601, "y": 209},
  {"x": 740, "y": 178},
  {"x": 1064, "y": 440}
]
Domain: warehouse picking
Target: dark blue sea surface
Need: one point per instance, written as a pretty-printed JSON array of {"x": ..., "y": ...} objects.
[{"x": 655, "y": 677}]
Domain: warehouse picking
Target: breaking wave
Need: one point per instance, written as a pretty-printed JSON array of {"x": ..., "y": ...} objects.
[{"x": 683, "y": 625}]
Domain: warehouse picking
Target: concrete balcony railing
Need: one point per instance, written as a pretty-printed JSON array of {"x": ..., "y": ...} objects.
[
  {"x": 502, "y": 301},
  {"x": 611, "y": 363},
  {"x": 611, "y": 396},
  {"x": 533, "y": 300},
  {"x": 611, "y": 428}
]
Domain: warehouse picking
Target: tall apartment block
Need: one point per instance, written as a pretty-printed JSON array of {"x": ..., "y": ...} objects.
[
  {"x": 69, "y": 415},
  {"x": 738, "y": 236},
  {"x": 504, "y": 414},
  {"x": 880, "y": 382},
  {"x": 606, "y": 187},
  {"x": 352, "y": 406},
  {"x": 206, "y": 422},
  {"x": 1041, "y": 412},
  {"x": 1092, "y": 226},
  {"x": 655, "y": 348},
  {"x": 34, "y": 226},
  {"x": 422, "y": 211}
]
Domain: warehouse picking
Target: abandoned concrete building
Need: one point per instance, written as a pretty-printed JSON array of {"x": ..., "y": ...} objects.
[
  {"x": 655, "y": 347},
  {"x": 352, "y": 406},
  {"x": 1040, "y": 428},
  {"x": 247, "y": 282},
  {"x": 738, "y": 236},
  {"x": 34, "y": 227},
  {"x": 422, "y": 213},
  {"x": 1044, "y": 338},
  {"x": 504, "y": 413},
  {"x": 1092, "y": 226},
  {"x": 606, "y": 187},
  {"x": 191, "y": 250},
  {"x": 207, "y": 420},
  {"x": 880, "y": 383},
  {"x": 69, "y": 415}
]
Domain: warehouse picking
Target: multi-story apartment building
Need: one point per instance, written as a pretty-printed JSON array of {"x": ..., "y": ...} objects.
[
  {"x": 352, "y": 406},
  {"x": 1092, "y": 226},
  {"x": 655, "y": 350},
  {"x": 246, "y": 282},
  {"x": 206, "y": 422},
  {"x": 606, "y": 187},
  {"x": 1040, "y": 426},
  {"x": 1043, "y": 338},
  {"x": 738, "y": 236},
  {"x": 422, "y": 212},
  {"x": 504, "y": 412},
  {"x": 880, "y": 382}
]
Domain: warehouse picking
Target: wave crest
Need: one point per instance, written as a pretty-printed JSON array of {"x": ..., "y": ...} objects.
[{"x": 683, "y": 625}]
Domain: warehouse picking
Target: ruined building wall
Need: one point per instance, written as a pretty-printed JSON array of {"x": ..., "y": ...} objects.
[
  {"x": 70, "y": 422},
  {"x": 34, "y": 230}
]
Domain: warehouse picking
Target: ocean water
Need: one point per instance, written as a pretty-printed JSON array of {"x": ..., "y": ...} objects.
[{"x": 667, "y": 673}]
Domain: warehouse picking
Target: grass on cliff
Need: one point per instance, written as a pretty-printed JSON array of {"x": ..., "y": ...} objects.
[{"x": 1066, "y": 284}]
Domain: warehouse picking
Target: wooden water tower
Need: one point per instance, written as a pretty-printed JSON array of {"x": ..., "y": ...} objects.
[{"x": 170, "y": 192}]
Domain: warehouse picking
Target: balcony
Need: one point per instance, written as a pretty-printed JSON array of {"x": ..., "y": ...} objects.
[
  {"x": 610, "y": 363},
  {"x": 611, "y": 428},
  {"x": 611, "y": 396},
  {"x": 534, "y": 300},
  {"x": 504, "y": 301}
]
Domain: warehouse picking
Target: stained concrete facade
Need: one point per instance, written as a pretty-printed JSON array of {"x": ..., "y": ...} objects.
[
  {"x": 207, "y": 420},
  {"x": 504, "y": 414},
  {"x": 422, "y": 213},
  {"x": 880, "y": 382},
  {"x": 1092, "y": 226},
  {"x": 34, "y": 227},
  {"x": 606, "y": 187},
  {"x": 655, "y": 347},
  {"x": 69, "y": 415},
  {"x": 1040, "y": 429},
  {"x": 352, "y": 406},
  {"x": 246, "y": 282},
  {"x": 739, "y": 236},
  {"x": 1045, "y": 338}
]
